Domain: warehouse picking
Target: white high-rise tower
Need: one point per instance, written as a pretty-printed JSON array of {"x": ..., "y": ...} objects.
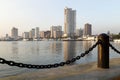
[{"x": 69, "y": 22}]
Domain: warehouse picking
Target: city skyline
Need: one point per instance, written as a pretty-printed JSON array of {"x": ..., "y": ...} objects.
[{"x": 26, "y": 14}]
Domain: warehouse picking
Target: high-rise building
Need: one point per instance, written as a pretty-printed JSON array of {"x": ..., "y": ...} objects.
[
  {"x": 32, "y": 34},
  {"x": 81, "y": 32},
  {"x": 26, "y": 35},
  {"x": 14, "y": 33},
  {"x": 78, "y": 32},
  {"x": 57, "y": 34},
  {"x": 69, "y": 22},
  {"x": 37, "y": 34},
  {"x": 88, "y": 29},
  {"x": 6, "y": 36},
  {"x": 45, "y": 34},
  {"x": 42, "y": 34},
  {"x": 56, "y": 31}
]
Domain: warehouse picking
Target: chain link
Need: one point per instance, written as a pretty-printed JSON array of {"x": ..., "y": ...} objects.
[
  {"x": 22, "y": 65},
  {"x": 113, "y": 48}
]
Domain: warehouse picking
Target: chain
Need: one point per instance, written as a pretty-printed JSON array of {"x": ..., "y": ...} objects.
[
  {"x": 112, "y": 47},
  {"x": 22, "y": 65}
]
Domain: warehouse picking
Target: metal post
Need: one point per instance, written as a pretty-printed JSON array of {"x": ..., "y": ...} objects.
[{"x": 103, "y": 51}]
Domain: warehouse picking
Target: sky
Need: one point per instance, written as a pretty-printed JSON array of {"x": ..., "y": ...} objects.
[{"x": 104, "y": 15}]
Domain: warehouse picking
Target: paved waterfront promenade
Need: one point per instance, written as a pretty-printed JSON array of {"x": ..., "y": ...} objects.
[{"x": 75, "y": 72}]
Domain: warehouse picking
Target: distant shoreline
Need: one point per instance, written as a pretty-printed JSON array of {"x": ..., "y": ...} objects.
[{"x": 50, "y": 40}]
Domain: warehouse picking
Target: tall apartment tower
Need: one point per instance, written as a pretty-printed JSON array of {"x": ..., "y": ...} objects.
[
  {"x": 37, "y": 34},
  {"x": 14, "y": 33},
  {"x": 32, "y": 33},
  {"x": 69, "y": 22},
  {"x": 88, "y": 29}
]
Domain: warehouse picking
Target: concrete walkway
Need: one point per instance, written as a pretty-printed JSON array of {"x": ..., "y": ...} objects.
[{"x": 75, "y": 72}]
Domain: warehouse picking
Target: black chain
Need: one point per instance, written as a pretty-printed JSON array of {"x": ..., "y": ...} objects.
[
  {"x": 112, "y": 47},
  {"x": 22, "y": 65}
]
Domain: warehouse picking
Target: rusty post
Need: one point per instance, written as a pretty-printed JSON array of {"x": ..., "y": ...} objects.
[{"x": 103, "y": 51}]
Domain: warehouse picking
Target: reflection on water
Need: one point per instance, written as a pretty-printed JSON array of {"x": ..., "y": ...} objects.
[
  {"x": 86, "y": 46},
  {"x": 35, "y": 48},
  {"x": 69, "y": 50},
  {"x": 14, "y": 49},
  {"x": 56, "y": 47}
]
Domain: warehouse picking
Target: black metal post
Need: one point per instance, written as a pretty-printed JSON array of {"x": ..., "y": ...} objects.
[{"x": 103, "y": 51}]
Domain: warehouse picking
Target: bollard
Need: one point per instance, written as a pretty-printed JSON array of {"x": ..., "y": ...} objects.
[{"x": 103, "y": 51}]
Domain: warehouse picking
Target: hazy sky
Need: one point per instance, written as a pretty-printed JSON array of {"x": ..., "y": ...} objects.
[{"x": 104, "y": 15}]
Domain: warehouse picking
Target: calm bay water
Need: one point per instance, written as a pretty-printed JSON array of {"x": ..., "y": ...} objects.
[{"x": 45, "y": 52}]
